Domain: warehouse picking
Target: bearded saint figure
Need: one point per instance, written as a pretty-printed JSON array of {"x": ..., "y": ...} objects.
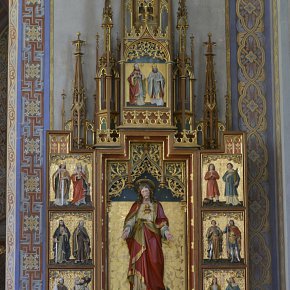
[
  {"x": 156, "y": 84},
  {"x": 61, "y": 185}
]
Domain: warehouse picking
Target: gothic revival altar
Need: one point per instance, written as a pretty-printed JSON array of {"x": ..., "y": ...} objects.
[{"x": 145, "y": 128}]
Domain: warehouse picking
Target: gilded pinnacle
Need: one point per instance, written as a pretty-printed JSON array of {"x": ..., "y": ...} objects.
[
  {"x": 182, "y": 10},
  {"x": 78, "y": 43},
  {"x": 108, "y": 14}
]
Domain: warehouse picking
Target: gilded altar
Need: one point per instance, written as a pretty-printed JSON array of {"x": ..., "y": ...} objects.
[{"x": 145, "y": 128}]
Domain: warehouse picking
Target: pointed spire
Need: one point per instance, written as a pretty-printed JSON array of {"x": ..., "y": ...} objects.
[
  {"x": 107, "y": 13},
  {"x": 107, "y": 26},
  {"x": 210, "y": 82},
  {"x": 210, "y": 102},
  {"x": 182, "y": 10},
  {"x": 63, "y": 95},
  {"x": 78, "y": 79},
  {"x": 78, "y": 110},
  {"x": 97, "y": 51},
  {"x": 182, "y": 26}
]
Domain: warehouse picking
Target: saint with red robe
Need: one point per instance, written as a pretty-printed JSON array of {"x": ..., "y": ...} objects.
[
  {"x": 81, "y": 187},
  {"x": 212, "y": 190},
  {"x": 144, "y": 227},
  {"x": 136, "y": 87}
]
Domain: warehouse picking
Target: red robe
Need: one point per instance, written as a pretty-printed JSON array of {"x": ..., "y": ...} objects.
[
  {"x": 146, "y": 256},
  {"x": 212, "y": 186},
  {"x": 80, "y": 188},
  {"x": 135, "y": 86}
]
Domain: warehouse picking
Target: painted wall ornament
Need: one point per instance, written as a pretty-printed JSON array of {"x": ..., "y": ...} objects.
[{"x": 144, "y": 228}]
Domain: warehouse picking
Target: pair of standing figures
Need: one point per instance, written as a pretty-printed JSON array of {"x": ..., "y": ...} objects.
[
  {"x": 61, "y": 186},
  {"x": 79, "y": 284},
  {"x": 214, "y": 237},
  {"x": 80, "y": 246},
  {"x": 231, "y": 179},
  {"x": 155, "y": 87},
  {"x": 232, "y": 285}
]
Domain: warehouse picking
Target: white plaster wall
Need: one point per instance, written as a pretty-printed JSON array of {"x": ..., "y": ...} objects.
[
  {"x": 85, "y": 16},
  {"x": 208, "y": 16}
]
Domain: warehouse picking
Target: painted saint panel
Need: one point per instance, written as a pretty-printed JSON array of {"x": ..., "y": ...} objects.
[
  {"x": 223, "y": 238},
  {"x": 71, "y": 180},
  {"x": 71, "y": 279},
  {"x": 146, "y": 84},
  {"x": 71, "y": 238},
  {"x": 214, "y": 279},
  {"x": 222, "y": 180}
]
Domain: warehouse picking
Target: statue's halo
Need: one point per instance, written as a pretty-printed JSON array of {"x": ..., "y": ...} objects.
[{"x": 140, "y": 182}]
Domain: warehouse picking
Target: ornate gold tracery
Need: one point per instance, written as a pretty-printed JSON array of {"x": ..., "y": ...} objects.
[
  {"x": 118, "y": 178},
  {"x": 147, "y": 158},
  {"x": 147, "y": 47}
]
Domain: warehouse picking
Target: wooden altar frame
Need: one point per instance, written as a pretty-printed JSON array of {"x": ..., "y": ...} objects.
[
  {"x": 122, "y": 153},
  {"x": 192, "y": 156}
]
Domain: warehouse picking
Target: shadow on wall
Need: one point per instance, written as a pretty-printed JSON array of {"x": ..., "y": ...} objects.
[{"x": 2, "y": 265}]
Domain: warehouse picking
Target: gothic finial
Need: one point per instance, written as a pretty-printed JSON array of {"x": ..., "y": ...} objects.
[
  {"x": 182, "y": 26},
  {"x": 210, "y": 44},
  {"x": 63, "y": 95},
  {"x": 182, "y": 10},
  {"x": 108, "y": 13},
  {"x": 107, "y": 26},
  {"x": 78, "y": 43}
]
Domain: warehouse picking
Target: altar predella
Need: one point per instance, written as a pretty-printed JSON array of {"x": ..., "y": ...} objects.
[{"x": 146, "y": 197}]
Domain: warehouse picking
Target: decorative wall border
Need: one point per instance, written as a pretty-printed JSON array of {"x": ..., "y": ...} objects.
[
  {"x": 278, "y": 152},
  {"x": 11, "y": 145},
  {"x": 254, "y": 119},
  {"x": 34, "y": 121},
  {"x": 28, "y": 96},
  {"x": 3, "y": 117}
]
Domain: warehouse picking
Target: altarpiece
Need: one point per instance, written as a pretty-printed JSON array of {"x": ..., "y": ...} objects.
[{"x": 145, "y": 132}]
